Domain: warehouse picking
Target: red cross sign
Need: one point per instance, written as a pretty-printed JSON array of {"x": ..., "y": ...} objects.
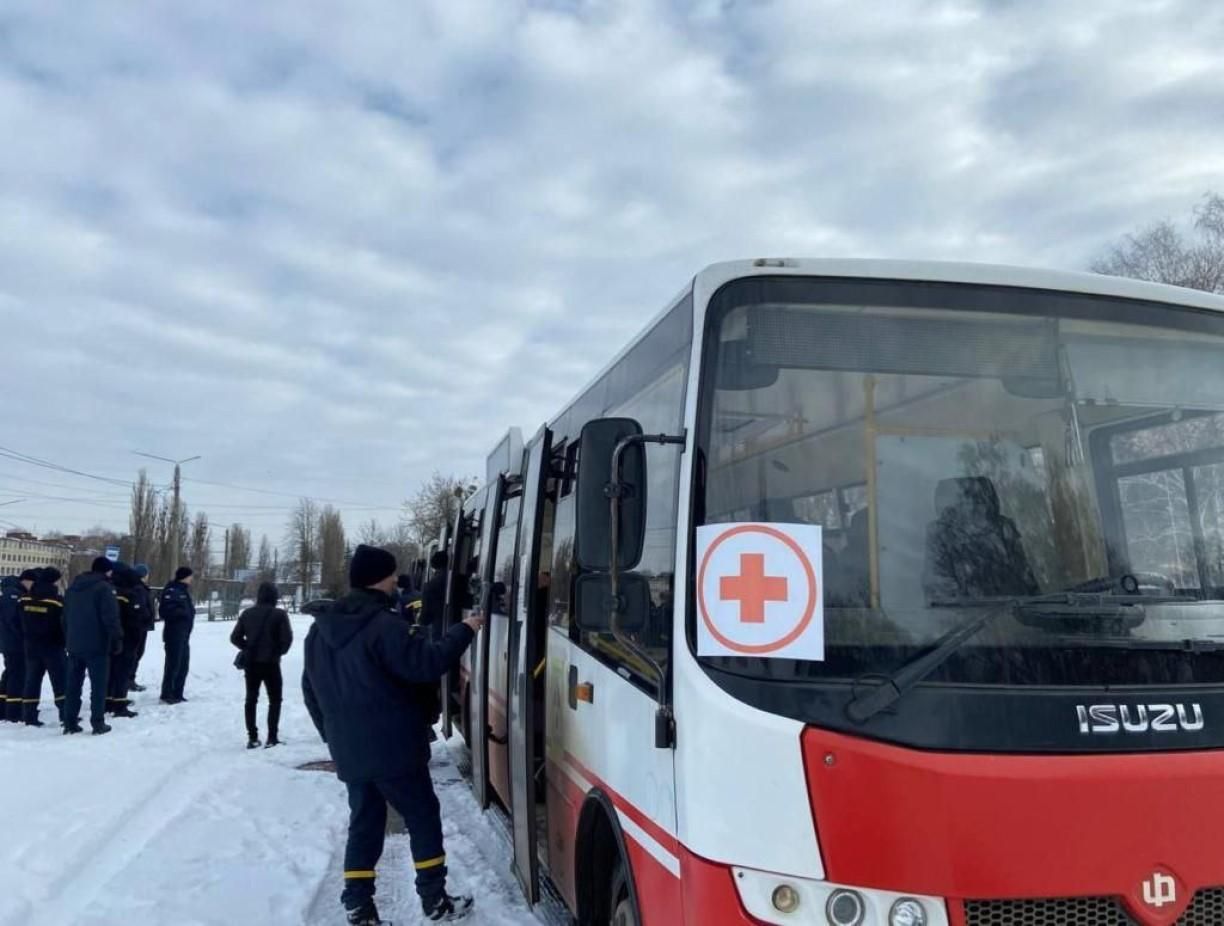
[{"x": 759, "y": 591}]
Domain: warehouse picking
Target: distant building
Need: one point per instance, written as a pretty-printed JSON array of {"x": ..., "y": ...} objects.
[{"x": 20, "y": 550}]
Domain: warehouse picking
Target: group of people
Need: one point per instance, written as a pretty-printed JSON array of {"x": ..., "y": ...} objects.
[{"x": 98, "y": 627}]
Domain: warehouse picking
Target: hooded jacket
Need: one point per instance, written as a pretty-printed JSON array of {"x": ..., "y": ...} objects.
[
  {"x": 42, "y": 614},
  {"x": 363, "y": 662},
  {"x": 91, "y": 616},
  {"x": 11, "y": 637},
  {"x": 263, "y": 631},
  {"x": 132, "y": 603}
]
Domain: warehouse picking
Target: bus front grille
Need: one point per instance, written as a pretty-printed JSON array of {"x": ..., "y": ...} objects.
[{"x": 1207, "y": 909}]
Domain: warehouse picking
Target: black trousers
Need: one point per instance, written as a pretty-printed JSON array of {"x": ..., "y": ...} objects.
[
  {"x": 120, "y": 675},
  {"x": 142, "y": 637},
  {"x": 98, "y": 666},
  {"x": 12, "y": 683},
  {"x": 178, "y": 660},
  {"x": 413, "y": 798},
  {"x": 267, "y": 674},
  {"x": 43, "y": 659}
]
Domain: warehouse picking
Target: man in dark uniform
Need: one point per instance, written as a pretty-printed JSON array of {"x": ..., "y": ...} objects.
[
  {"x": 409, "y": 599},
  {"x": 42, "y": 622},
  {"x": 178, "y": 617},
  {"x": 131, "y": 621},
  {"x": 144, "y": 597},
  {"x": 433, "y": 595},
  {"x": 91, "y": 620},
  {"x": 12, "y": 644},
  {"x": 362, "y": 664}
]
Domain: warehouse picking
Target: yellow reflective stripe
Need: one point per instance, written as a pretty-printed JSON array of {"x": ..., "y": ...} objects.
[
  {"x": 356, "y": 875},
  {"x": 431, "y": 863},
  {"x": 124, "y": 600},
  {"x": 539, "y": 670}
]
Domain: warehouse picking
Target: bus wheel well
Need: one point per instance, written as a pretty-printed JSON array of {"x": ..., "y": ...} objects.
[{"x": 599, "y": 846}]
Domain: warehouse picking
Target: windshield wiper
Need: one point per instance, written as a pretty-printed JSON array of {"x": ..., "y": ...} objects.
[{"x": 863, "y": 707}]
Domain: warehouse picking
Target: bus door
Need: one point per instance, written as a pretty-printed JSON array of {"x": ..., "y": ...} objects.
[
  {"x": 525, "y": 643},
  {"x": 478, "y": 698},
  {"x": 460, "y": 547}
]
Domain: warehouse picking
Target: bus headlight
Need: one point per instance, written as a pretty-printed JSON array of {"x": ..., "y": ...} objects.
[
  {"x": 845, "y": 908},
  {"x": 907, "y": 912}
]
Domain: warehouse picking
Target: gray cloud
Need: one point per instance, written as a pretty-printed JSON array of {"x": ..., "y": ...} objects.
[{"x": 335, "y": 253}]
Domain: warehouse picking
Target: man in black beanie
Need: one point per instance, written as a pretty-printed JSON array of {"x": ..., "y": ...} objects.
[
  {"x": 362, "y": 663},
  {"x": 91, "y": 620},
  {"x": 177, "y": 612}
]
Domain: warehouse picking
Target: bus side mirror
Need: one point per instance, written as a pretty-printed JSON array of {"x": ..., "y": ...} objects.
[
  {"x": 595, "y": 604},
  {"x": 596, "y": 487}
]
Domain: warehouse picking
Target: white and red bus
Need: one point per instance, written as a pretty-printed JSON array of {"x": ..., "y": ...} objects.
[{"x": 866, "y": 594}]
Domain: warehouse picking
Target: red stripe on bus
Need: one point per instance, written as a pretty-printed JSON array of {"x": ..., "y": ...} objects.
[{"x": 656, "y": 832}]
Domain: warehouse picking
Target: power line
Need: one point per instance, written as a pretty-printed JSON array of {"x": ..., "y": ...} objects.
[{"x": 47, "y": 464}]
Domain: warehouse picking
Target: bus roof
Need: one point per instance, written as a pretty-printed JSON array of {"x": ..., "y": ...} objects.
[{"x": 1095, "y": 284}]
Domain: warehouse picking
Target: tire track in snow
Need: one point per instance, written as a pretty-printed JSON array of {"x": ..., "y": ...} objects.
[{"x": 106, "y": 856}]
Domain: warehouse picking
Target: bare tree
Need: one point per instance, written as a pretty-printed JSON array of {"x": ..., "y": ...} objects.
[
  {"x": 142, "y": 519},
  {"x": 398, "y": 540},
  {"x": 267, "y": 570},
  {"x": 302, "y": 542},
  {"x": 332, "y": 571},
  {"x": 435, "y": 505},
  {"x": 1161, "y": 253},
  {"x": 239, "y": 551}
]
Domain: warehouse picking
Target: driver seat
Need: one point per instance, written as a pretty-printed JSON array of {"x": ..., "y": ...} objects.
[{"x": 972, "y": 549}]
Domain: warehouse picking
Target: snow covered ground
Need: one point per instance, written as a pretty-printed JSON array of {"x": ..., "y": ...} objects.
[{"x": 170, "y": 821}]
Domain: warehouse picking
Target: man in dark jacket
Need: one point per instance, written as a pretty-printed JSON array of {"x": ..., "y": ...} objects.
[
  {"x": 42, "y": 623},
  {"x": 91, "y": 619},
  {"x": 362, "y": 665},
  {"x": 264, "y": 634},
  {"x": 144, "y": 597},
  {"x": 131, "y": 621},
  {"x": 178, "y": 617},
  {"x": 433, "y": 595},
  {"x": 12, "y": 644}
]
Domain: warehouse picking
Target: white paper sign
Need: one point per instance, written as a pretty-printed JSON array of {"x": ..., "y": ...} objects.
[{"x": 760, "y": 591}]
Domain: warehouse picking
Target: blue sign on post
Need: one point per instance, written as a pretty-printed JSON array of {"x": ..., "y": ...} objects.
[{"x": 112, "y": 554}]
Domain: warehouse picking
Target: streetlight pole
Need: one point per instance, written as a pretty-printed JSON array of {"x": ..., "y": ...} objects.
[{"x": 178, "y": 481}]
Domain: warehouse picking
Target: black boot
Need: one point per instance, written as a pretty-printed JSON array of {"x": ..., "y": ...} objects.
[
  {"x": 124, "y": 711},
  {"x": 448, "y": 909},
  {"x": 253, "y": 741},
  {"x": 100, "y": 728},
  {"x": 365, "y": 915},
  {"x": 34, "y": 723},
  {"x": 136, "y": 687},
  {"x": 70, "y": 728},
  {"x": 274, "y": 713}
]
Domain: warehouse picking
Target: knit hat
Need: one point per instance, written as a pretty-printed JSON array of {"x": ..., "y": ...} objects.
[
  {"x": 183, "y": 572},
  {"x": 370, "y": 566},
  {"x": 29, "y": 575},
  {"x": 140, "y": 570},
  {"x": 49, "y": 574},
  {"x": 102, "y": 566}
]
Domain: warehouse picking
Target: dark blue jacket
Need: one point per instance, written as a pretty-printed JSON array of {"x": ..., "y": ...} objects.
[
  {"x": 176, "y": 608},
  {"x": 131, "y": 604},
  {"x": 362, "y": 663},
  {"x": 42, "y": 615},
  {"x": 144, "y": 600},
  {"x": 11, "y": 637},
  {"x": 91, "y": 616}
]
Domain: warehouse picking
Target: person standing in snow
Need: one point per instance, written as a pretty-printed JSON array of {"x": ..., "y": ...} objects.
[
  {"x": 42, "y": 623},
  {"x": 12, "y": 644},
  {"x": 363, "y": 666},
  {"x": 144, "y": 597},
  {"x": 131, "y": 620},
  {"x": 178, "y": 618},
  {"x": 91, "y": 619},
  {"x": 264, "y": 635}
]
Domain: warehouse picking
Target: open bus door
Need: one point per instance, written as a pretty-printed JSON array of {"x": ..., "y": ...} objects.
[
  {"x": 478, "y": 698},
  {"x": 524, "y": 645},
  {"x": 459, "y": 548}
]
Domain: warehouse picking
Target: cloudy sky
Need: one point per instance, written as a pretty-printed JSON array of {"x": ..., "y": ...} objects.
[{"x": 333, "y": 247}]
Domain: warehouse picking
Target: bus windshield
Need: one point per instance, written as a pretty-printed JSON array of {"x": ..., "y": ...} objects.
[{"x": 964, "y": 446}]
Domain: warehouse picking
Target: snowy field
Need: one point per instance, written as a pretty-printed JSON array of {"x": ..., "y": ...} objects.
[{"x": 171, "y": 821}]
